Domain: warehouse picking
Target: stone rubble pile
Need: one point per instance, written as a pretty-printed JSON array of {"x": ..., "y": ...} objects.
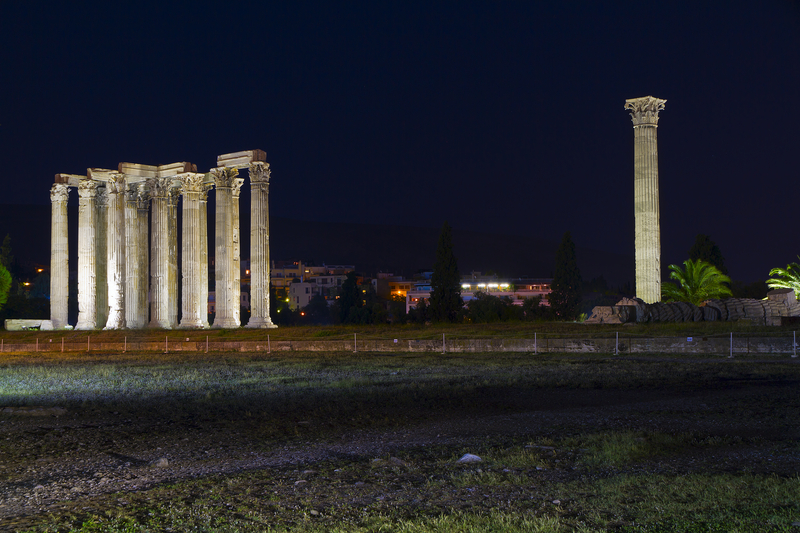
[{"x": 769, "y": 312}]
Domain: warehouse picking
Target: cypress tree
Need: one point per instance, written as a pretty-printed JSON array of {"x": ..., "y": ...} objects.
[
  {"x": 446, "y": 303},
  {"x": 565, "y": 295},
  {"x": 707, "y": 250}
]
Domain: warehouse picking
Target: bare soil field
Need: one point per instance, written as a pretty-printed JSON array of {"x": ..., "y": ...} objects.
[{"x": 370, "y": 442}]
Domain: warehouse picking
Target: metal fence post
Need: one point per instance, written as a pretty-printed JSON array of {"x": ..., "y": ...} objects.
[{"x": 731, "y": 355}]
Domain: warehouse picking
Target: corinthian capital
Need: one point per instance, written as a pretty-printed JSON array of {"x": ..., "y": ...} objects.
[
  {"x": 116, "y": 184},
  {"x": 236, "y": 186},
  {"x": 102, "y": 197},
  {"x": 192, "y": 183},
  {"x": 159, "y": 187},
  {"x": 142, "y": 195},
  {"x": 259, "y": 172},
  {"x": 173, "y": 194},
  {"x": 87, "y": 188},
  {"x": 59, "y": 192},
  {"x": 644, "y": 110},
  {"x": 204, "y": 192},
  {"x": 224, "y": 176}
]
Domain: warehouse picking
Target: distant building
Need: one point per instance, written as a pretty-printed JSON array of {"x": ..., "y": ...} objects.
[
  {"x": 517, "y": 289},
  {"x": 387, "y": 285},
  {"x": 284, "y": 273}
]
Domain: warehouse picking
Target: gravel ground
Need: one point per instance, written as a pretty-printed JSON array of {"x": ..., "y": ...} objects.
[{"x": 50, "y": 460}]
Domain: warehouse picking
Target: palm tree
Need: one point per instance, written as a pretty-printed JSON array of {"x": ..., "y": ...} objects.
[
  {"x": 700, "y": 281},
  {"x": 789, "y": 278}
]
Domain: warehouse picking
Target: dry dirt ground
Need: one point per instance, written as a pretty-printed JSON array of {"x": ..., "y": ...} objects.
[{"x": 88, "y": 460}]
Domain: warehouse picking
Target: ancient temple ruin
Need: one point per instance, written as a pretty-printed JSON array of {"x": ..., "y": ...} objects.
[{"x": 115, "y": 209}]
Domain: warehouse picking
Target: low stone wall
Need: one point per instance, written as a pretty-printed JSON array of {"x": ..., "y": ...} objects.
[{"x": 777, "y": 345}]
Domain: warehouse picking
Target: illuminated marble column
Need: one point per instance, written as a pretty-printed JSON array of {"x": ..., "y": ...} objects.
[
  {"x": 202, "y": 303},
  {"x": 101, "y": 271},
  {"x": 173, "y": 299},
  {"x": 644, "y": 114},
  {"x": 159, "y": 253},
  {"x": 59, "y": 256},
  {"x": 142, "y": 269},
  {"x": 191, "y": 250},
  {"x": 223, "y": 244},
  {"x": 236, "y": 189},
  {"x": 115, "y": 247},
  {"x": 259, "y": 246},
  {"x": 87, "y": 256},
  {"x": 134, "y": 319}
]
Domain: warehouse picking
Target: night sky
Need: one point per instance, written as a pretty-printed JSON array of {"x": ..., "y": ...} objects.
[{"x": 498, "y": 116}]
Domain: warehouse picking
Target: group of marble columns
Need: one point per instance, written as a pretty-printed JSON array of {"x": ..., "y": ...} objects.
[{"x": 114, "y": 288}]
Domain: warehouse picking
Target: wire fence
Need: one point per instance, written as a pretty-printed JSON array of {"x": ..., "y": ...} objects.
[{"x": 618, "y": 344}]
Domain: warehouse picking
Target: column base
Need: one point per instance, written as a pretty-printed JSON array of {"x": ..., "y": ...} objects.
[
  {"x": 115, "y": 321},
  {"x": 84, "y": 326},
  {"x": 194, "y": 323},
  {"x": 224, "y": 323},
  {"x": 155, "y": 324},
  {"x": 260, "y": 323}
]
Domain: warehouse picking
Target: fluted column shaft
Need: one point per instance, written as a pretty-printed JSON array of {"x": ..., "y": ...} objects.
[
  {"x": 202, "y": 303},
  {"x": 237, "y": 254},
  {"x": 131, "y": 258},
  {"x": 172, "y": 237},
  {"x": 259, "y": 246},
  {"x": 644, "y": 114},
  {"x": 87, "y": 281},
  {"x": 142, "y": 269},
  {"x": 101, "y": 268},
  {"x": 115, "y": 248},
  {"x": 223, "y": 244},
  {"x": 191, "y": 256},
  {"x": 159, "y": 253},
  {"x": 59, "y": 256}
]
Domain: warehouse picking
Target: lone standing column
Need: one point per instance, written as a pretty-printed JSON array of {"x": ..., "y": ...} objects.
[
  {"x": 87, "y": 281},
  {"x": 116, "y": 252},
  {"x": 59, "y": 256},
  {"x": 259, "y": 246},
  {"x": 192, "y": 185},
  {"x": 223, "y": 240},
  {"x": 159, "y": 253},
  {"x": 644, "y": 114}
]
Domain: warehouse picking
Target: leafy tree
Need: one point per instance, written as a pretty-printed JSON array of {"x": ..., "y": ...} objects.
[
  {"x": 705, "y": 249},
  {"x": 699, "y": 281},
  {"x": 397, "y": 310},
  {"x": 446, "y": 304},
  {"x": 5, "y": 285},
  {"x": 350, "y": 300},
  {"x": 6, "y": 257},
  {"x": 565, "y": 295},
  {"x": 421, "y": 313},
  {"x": 485, "y": 308},
  {"x": 317, "y": 310},
  {"x": 532, "y": 309},
  {"x": 786, "y": 278}
]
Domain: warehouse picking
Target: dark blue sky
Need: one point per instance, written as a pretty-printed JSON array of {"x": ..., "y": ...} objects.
[{"x": 504, "y": 117}]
